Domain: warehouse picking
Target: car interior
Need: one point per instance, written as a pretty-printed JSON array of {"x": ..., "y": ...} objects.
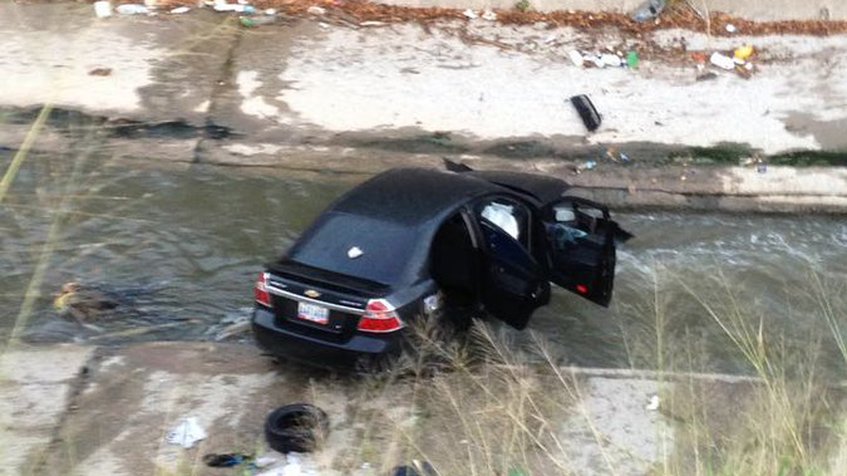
[
  {"x": 454, "y": 262},
  {"x": 580, "y": 233}
]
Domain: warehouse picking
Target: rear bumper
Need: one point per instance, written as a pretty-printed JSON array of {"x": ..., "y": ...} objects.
[{"x": 312, "y": 351}]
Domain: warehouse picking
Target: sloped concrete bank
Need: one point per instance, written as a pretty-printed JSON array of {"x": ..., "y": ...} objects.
[
  {"x": 318, "y": 94},
  {"x": 72, "y": 409}
]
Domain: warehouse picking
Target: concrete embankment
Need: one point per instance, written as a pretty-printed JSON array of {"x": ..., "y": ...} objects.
[
  {"x": 322, "y": 93},
  {"x": 71, "y": 409}
]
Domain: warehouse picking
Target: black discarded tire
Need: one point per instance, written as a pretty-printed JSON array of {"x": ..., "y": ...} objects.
[{"x": 296, "y": 428}]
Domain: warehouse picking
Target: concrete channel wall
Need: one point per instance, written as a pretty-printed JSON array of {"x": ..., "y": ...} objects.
[{"x": 321, "y": 93}]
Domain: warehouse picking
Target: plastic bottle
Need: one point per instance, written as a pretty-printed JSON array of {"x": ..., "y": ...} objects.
[{"x": 132, "y": 9}]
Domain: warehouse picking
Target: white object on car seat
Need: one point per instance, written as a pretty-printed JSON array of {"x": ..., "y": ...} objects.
[{"x": 502, "y": 215}]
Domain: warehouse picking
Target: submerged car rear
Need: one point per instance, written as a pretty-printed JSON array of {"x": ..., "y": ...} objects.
[{"x": 329, "y": 300}]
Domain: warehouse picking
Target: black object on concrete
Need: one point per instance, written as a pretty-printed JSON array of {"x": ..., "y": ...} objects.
[
  {"x": 590, "y": 117},
  {"x": 299, "y": 428}
]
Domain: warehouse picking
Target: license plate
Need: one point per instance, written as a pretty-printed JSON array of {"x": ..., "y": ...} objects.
[{"x": 313, "y": 313}]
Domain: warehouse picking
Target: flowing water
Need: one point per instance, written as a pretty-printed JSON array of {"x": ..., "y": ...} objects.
[{"x": 179, "y": 248}]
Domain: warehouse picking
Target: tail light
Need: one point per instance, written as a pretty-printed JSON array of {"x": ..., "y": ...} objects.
[
  {"x": 380, "y": 316},
  {"x": 261, "y": 290}
]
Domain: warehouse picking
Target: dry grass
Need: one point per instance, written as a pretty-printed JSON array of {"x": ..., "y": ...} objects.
[{"x": 477, "y": 407}]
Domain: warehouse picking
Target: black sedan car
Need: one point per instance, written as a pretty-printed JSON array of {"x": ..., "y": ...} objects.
[{"x": 411, "y": 242}]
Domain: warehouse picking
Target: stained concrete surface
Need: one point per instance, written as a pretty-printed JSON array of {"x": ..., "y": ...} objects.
[
  {"x": 36, "y": 386},
  {"x": 310, "y": 95},
  {"x": 72, "y": 410}
]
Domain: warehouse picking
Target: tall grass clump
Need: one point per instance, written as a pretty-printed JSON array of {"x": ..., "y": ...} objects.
[{"x": 476, "y": 403}]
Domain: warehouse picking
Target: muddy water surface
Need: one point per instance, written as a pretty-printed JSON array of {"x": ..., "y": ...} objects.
[{"x": 179, "y": 248}]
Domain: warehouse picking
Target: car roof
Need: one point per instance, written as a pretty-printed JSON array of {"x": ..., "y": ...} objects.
[
  {"x": 413, "y": 196},
  {"x": 542, "y": 189},
  {"x": 406, "y": 207}
]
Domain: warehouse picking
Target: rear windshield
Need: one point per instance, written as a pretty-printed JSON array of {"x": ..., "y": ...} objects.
[{"x": 385, "y": 250}]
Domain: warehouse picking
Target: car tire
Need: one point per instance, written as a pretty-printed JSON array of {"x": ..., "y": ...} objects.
[{"x": 296, "y": 428}]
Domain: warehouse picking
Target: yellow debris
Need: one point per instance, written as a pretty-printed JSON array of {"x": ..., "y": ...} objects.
[{"x": 743, "y": 53}]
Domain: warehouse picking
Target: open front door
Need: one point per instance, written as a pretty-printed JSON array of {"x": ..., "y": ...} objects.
[
  {"x": 581, "y": 237},
  {"x": 512, "y": 286}
]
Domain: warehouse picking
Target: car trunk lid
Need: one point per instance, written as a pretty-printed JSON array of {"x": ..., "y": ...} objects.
[{"x": 318, "y": 303}]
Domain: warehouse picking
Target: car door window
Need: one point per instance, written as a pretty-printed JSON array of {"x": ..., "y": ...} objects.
[{"x": 509, "y": 216}]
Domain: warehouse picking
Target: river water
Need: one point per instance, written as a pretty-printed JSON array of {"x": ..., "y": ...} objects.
[{"x": 181, "y": 245}]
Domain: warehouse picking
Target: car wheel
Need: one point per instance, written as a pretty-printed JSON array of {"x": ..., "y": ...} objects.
[{"x": 299, "y": 427}]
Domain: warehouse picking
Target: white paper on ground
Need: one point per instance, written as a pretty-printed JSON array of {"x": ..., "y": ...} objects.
[{"x": 186, "y": 433}]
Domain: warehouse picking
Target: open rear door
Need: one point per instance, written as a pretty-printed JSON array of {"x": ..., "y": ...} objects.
[{"x": 581, "y": 237}]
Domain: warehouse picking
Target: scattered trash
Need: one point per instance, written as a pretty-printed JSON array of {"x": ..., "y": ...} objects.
[
  {"x": 596, "y": 60},
  {"x": 103, "y": 9},
  {"x": 576, "y": 58},
  {"x": 722, "y": 61},
  {"x": 699, "y": 57},
  {"x": 100, "y": 72},
  {"x": 653, "y": 405},
  {"x": 132, "y": 9},
  {"x": 186, "y": 433},
  {"x": 489, "y": 15},
  {"x": 417, "y": 468},
  {"x": 745, "y": 71},
  {"x": 611, "y": 60},
  {"x": 761, "y": 166},
  {"x": 615, "y": 155},
  {"x": 270, "y": 11},
  {"x": 234, "y": 7},
  {"x": 590, "y": 117},
  {"x": 180, "y": 10},
  {"x": 648, "y": 10},
  {"x": 730, "y": 28},
  {"x": 316, "y": 10},
  {"x": 708, "y": 75},
  {"x": 373, "y": 23},
  {"x": 743, "y": 53},
  {"x": 470, "y": 14},
  {"x": 587, "y": 165},
  {"x": 298, "y": 427},
  {"x": 632, "y": 60},
  {"x": 225, "y": 460},
  {"x": 252, "y": 22}
]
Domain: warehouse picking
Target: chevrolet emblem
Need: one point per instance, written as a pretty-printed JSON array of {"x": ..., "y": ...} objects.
[{"x": 312, "y": 293}]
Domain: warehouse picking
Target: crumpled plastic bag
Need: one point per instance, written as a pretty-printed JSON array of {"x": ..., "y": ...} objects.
[{"x": 186, "y": 433}]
